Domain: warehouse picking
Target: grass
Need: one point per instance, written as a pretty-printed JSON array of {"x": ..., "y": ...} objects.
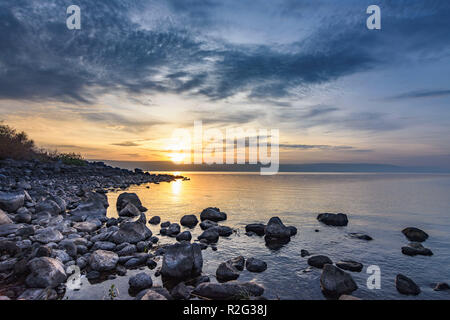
[{"x": 18, "y": 146}]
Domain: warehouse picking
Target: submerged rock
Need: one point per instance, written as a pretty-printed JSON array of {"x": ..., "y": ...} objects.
[
  {"x": 406, "y": 286},
  {"x": 255, "y": 265},
  {"x": 155, "y": 220},
  {"x": 257, "y": 228},
  {"x": 184, "y": 236},
  {"x": 415, "y": 234},
  {"x": 45, "y": 272},
  {"x": 189, "y": 220},
  {"x": 360, "y": 236},
  {"x": 333, "y": 219},
  {"x": 238, "y": 263},
  {"x": 334, "y": 282},
  {"x": 319, "y": 261},
  {"x": 182, "y": 261},
  {"x": 210, "y": 235},
  {"x": 213, "y": 214},
  {"x": 226, "y": 272},
  {"x": 441, "y": 286},
  {"x": 204, "y": 225}
]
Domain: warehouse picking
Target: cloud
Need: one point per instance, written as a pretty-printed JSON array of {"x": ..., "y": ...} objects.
[
  {"x": 322, "y": 147},
  {"x": 126, "y": 144},
  {"x": 420, "y": 94}
]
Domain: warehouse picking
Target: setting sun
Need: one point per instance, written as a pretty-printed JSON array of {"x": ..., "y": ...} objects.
[{"x": 177, "y": 157}]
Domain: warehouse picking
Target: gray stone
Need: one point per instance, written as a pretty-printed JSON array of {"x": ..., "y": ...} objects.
[
  {"x": 334, "y": 282},
  {"x": 228, "y": 290},
  {"x": 213, "y": 214},
  {"x": 153, "y": 295},
  {"x": 210, "y": 235},
  {"x": 129, "y": 210},
  {"x": 333, "y": 219},
  {"x": 182, "y": 260},
  {"x": 101, "y": 260},
  {"x": 204, "y": 225},
  {"x": 11, "y": 201},
  {"x": 257, "y": 228},
  {"x": 255, "y": 265},
  {"x": 189, "y": 220},
  {"x": 226, "y": 272},
  {"x": 154, "y": 220},
  {"x": 131, "y": 232},
  {"x": 140, "y": 282},
  {"x": 126, "y": 198},
  {"x": 184, "y": 236},
  {"x": 415, "y": 234},
  {"x": 45, "y": 272},
  {"x": 350, "y": 265},
  {"x": 319, "y": 261},
  {"x": 406, "y": 286},
  {"x": 4, "y": 219},
  {"x": 415, "y": 248},
  {"x": 47, "y": 235}
]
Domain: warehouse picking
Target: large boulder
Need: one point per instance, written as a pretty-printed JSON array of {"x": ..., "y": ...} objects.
[
  {"x": 228, "y": 290},
  {"x": 102, "y": 260},
  {"x": 406, "y": 286},
  {"x": 213, "y": 214},
  {"x": 129, "y": 210},
  {"x": 45, "y": 272},
  {"x": 276, "y": 233},
  {"x": 334, "y": 282},
  {"x": 131, "y": 232},
  {"x": 189, "y": 220},
  {"x": 126, "y": 198},
  {"x": 182, "y": 261},
  {"x": 415, "y": 234},
  {"x": 94, "y": 205},
  {"x": 11, "y": 201},
  {"x": 226, "y": 272},
  {"x": 319, "y": 261},
  {"x": 210, "y": 235},
  {"x": 4, "y": 219},
  {"x": 333, "y": 219}
]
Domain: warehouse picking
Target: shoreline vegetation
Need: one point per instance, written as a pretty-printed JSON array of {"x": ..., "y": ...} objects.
[{"x": 53, "y": 220}]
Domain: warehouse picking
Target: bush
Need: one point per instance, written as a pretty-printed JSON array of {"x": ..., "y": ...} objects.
[
  {"x": 15, "y": 145},
  {"x": 73, "y": 159}
]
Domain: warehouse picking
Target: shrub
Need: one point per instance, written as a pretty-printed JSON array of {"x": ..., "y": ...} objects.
[
  {"x": 73, "y": 159},
  {"x": 15, "y": 145}
]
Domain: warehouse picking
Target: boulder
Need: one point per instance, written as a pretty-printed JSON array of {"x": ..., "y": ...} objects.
[
  {"x": 204, "y": 225},
  {"x": 189, "y": 221},
  {"x": 11, "y": 201},
  {"x": 213, "y": 214},
  {"x": 182, "y": 261},
  {"x": 228, "y": 290},
  {"x": 102, "y": 260},
  {"x": 210, "y": 235},
  {"x": 87, "y": 226},
  {"x": 333, "y": 219},
  {"x": 165, "y": 224},
  {"x": 140, "y": 282},
  {"x": 131, "y": 232},
  {"x": 415, "y": 248},
  {"x": 94, "y": 205},
  {"x": 276, "y": 229},
  {"x": 154, "y": 220},
  {"x": 224, "y": 231},
  {"x": 415, "y": 234},
  {"x": 255, "y": 265},
  {"x": 47, "y": 235},
  {"x": 173, "y": 230},
  {"x": 129, "y": 210},
  {"x": 406, "y": 286},
  {"x": 257, "y": 228},
  {"x": 226, "y": 272},
  {"x": 319, "y": 261},
  {"x": 238, "y": 262},
  {"x": 4, "y": 219},
  {"x": 184, "y": 236},
  {"x": 350, "y": 265},
  {"x": 49, "y": 206},
  {"x": 45, "y": 272},
  {"x": 334, "y": 282},
  {"x": 126, "y": 198}
]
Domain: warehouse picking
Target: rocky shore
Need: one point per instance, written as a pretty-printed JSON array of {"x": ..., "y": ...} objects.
[{"x": 53, "y": 222}]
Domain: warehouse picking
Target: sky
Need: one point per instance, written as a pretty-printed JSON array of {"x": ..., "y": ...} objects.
[{"x": 137, "y": 70}]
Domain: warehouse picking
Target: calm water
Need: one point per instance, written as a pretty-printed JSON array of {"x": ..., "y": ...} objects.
[{"x": 380, "y": 205}]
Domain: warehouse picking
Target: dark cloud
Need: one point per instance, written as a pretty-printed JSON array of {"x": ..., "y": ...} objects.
[
  {"x": 322, "y": 147},
  {"x": 421, "y": 94},
  {"x": 126, "y": 144}
]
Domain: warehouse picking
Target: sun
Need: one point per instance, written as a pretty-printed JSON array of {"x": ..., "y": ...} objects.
[{"x": 177, "y": 157}]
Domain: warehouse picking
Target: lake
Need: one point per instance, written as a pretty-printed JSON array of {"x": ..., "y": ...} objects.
[{"x": 380, "y": 205}]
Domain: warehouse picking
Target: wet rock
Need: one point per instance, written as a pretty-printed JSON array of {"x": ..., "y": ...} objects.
[
  {"x": 26, "y": 231},
  {"x": 224, "y": 231},
  {"x": 112, "y": 222},
  {"x": 140, "y": 282},
  {"x": 333, "y": 219},
  {"x": 255, "y": 265},
  {"x": 350, "y": 265},
  {"x": 128, "y": 250},
  {"x": 228, "y": 290},
  {"x": 210, "y": 235},
  {"x": 415, "y": 248},
  {"x": 82, "y": 262},
  {"x": 87, "y": 226},
  {"x": 131, "y": 232},
  {"x": 293, "y": 230},
  {"x": 43, "y": 251},
  {"x": 441, "y": 286},
  {"x": 182, "y": 261},
  {"x": 11, "y": 201},
  {"x": 47, "y": 235},
  {"x": 129, "y": 210},
  {"x": 7, "y": 229},
  {"x": 22, "y": 218},
  {"x": 189, "y": 220},
  {"x": 93, "y": 275},
  {"x": 226, "y": 272},
  {"x": 45, "y": 272},
  {"x": 4, "y": 219},
  {"x": 257, "y": 228},
  {"x": 406, "y": 286},
  {"x": 49, "y": 206},
  {"x": 151, "y": 264},
  {"x": 154, "y": 220},
  {"x": 415, "y": 234},
  {"x": 181, "y": 292},
  {"x": 93, "y": 206},
  {"x": 204, "y": 225},
  {"x": 238, "y": 263},
  {"x": 165, "y": 224},
  {"x": 126, "y": 198},
  {"x": 360, "y": 236},
  {"x": 275, "y": 229},
  {"x": 144, "y": 246},
  {"x": 319, "y": 261},
  {"x": 104, "y": 245},
  {"x": 304, "y": 253},
  {"x": 102, "y": 260},
  {"x": 334, "y": 282},
  {"x": 173, "y": 230},
  {"x": 213, "y": 214},
  {"x": 184, "y": 236},
  {"x": 153, "y": 295}
]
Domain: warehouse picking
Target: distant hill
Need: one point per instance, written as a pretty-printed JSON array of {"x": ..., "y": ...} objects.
[{"x": 312, "y": 167}]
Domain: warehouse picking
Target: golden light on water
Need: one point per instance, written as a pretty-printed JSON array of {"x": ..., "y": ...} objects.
[{"x": 176, "y": 186}]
